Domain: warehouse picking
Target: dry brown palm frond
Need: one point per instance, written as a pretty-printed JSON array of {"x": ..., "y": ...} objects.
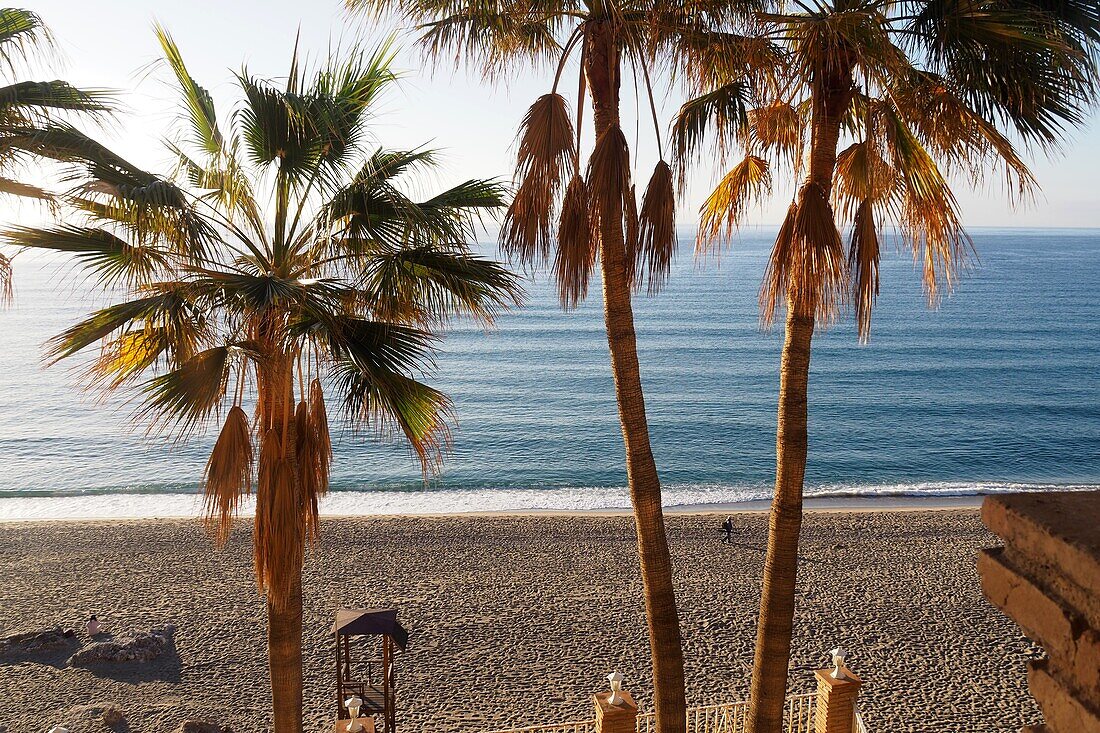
[
  {"x": 543, "y": 160},
  {"x": 630, "y": 233},
  {"x": 278, "y": 538},
  {"x": 955, "y": 133},
  {"x": 747, "y": 182},
  {"x": 780, "y": 128},
  {"x": 931, "y": 227},
  {"x": 314, "y": 454},
  {"x": 773, "y": 289},
  {"x": 525, "y": 231},
  {"x": 307, "y": 458},
  {"x": 863, "y": 263},
  {"x": 318, "y": 416},
  {"x": 657, "y": 228},
  {"x": 807, "y": 268},
  {"x": 228, "y": 474},
  {"x": 861, "y": 174},
  {"x": 929, "y": 213},
  {"x": 577, "y": 245},
  {"x": 608, "y": 177},
  {"x": 5, "y": 280}
]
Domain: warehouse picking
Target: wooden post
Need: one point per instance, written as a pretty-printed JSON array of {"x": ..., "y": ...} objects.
[
  {"x": 836, "y": 701},
  {"x": 619, "y": 718}
]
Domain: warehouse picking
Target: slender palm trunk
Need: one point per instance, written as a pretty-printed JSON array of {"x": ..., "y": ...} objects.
[
  {"x": 777, "y": 600},
  {"x": 602, "y": 70},
  {"x": 284, "y": 658},
  {"x": 284, "y": 616}
]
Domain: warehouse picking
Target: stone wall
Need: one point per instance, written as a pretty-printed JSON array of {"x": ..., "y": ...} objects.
[{"x": 1046, "y": 577}]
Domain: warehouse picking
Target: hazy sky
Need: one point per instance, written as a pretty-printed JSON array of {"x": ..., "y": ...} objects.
[{"x": 110, "y": 43}]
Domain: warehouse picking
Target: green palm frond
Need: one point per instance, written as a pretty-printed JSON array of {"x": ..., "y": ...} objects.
[
  {"x": 185, "y": 396},
  {"x": 343, "y": 94},
  {"x": 112, "y": 260},
  {"x": 23, "y": 100},
  {"x": 21, "y": 33},
  {"x": 165, "y": 305},
  {"x": 1030, "y": 66},
  {"x": 197, "y": 102},
  {"x": 487, "y": 33},
  {"x": 427, "y": 284},
  {"x": 722, "y": 113}
]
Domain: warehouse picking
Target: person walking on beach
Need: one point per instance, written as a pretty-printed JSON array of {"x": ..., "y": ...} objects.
[{"x": 727, "y": 530}]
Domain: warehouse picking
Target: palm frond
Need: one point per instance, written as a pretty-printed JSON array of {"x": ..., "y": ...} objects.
[
  {"x": 657, "y": 228},
  {"x": 806, "y": 268},
  {"x": 863, "y": 262},
  {"x": 722, "y": 113},
  {"x": 187, "y": 395},
  {"x": 278, "y": 535},
  {"x": 492, "y": 35},
  {"x": 608, "y": 179},
  {"x": 428, "y": 284},
  {"x": 110, "y": 259},
  {"x": 21, "y": 33},
  {"x": 374, "y": 370},
  {"x": 578, "y": 244},
  {"x": 228, "y": 475},
  {"x": 747, "y": 182},
  {"x": 26, "y": 190},
  {"x": 33, "y": 98},
  {"x": 930, "y": 219},
  {"x": 5, "y": 280},
  {"x": 165, "y": 305},
  {"x": 544, "y": 159},
  {"x": 197, "y": 102}
]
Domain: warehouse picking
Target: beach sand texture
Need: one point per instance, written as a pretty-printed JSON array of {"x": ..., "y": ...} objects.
[{"x": 515, "y": 620}]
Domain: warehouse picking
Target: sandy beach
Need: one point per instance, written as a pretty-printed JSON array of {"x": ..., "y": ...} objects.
[{"x": 515, "y": 620}]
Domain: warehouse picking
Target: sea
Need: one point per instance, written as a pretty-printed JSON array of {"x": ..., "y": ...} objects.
[{"x": 995, "y": 389}]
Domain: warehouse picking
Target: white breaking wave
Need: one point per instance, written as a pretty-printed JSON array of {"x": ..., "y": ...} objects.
[{"x": 459, "y": 501}]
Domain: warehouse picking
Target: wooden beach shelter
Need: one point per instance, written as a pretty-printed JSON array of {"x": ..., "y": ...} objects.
[{"x": 372, "y": 679}]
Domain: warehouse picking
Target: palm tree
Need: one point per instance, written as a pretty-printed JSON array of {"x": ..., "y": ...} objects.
[
  {"x": 286, "y": 267},
  {"x": 923, "y": 90},
  {"x": 29, "y": 104},
  {"x": 586, "y": 214}
]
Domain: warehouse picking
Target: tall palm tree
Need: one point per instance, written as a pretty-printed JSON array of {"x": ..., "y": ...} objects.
[
  {"x": 30, "y": 104},
  {"x": 922, "y": 90},
  {"x": 587, "y": 213},
  {"x": 285, "y": 268}
]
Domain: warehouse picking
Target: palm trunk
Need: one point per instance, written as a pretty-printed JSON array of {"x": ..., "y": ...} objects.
[
  {"x": 284, "y": 615},
  {"x": 602, "y": 71},
  {"x": 777, "y": 599},
  {"x": 773, "y": 631},
  {"x": 284, "y": 658}
]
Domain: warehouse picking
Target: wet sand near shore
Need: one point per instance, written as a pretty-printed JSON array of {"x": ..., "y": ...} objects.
[{"x": 515, "y": 620}]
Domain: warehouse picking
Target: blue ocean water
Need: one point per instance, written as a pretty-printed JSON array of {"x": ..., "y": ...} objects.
[{"x": 996, "y": 389}]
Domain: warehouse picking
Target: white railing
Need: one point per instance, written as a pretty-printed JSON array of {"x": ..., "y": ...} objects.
[
  {"x": 858, "y": 726},
  {"x": 725, "y": 718}
]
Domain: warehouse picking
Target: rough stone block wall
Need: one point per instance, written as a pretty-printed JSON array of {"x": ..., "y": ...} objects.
[{"x": 1046, "y": 577}]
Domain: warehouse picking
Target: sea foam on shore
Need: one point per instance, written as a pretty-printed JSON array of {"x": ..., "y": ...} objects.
[{"x": 465, "y": 501}]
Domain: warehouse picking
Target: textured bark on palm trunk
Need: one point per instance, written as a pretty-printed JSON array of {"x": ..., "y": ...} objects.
[
  {"x": 777, "y": 598},
  {"x": 284, "y": 653},
  {"x": 773, "y": 633},
  {"x": 284, "y": 616},
  {"x": 602, "y": 70}
]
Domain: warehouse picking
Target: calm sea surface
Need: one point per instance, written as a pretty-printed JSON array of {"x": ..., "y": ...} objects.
[{"x": 998, "y": 389}]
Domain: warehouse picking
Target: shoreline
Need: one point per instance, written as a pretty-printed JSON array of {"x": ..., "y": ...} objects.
[{"x": 812, "y": 504}]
